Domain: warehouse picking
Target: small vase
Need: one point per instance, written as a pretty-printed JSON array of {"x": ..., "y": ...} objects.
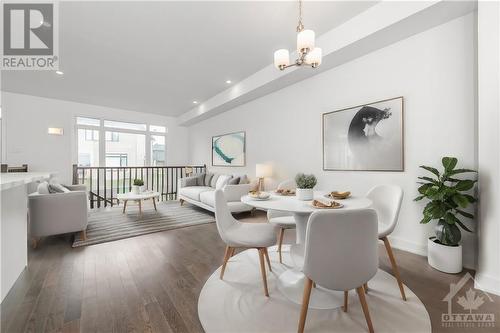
[
  {"x": 444, "y": 258},
  {"x": 136, "y": 189},
  {"x": 304, "y": 194}
]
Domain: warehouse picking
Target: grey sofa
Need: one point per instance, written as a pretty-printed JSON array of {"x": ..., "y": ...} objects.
[
  {"x": 58, "y": 213},
  {"x": 202, "y": 194}
]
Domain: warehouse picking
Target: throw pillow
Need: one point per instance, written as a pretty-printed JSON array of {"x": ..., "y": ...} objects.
[
  {"x": 244, "y": 180},
  {"x": 222, "y": 181},
  {"x": 214, "y": 180},
  {"x": 191, "y": 181},
  {"x": 43, "y": 188},
  {"x": 234, "y": 181},
  {"x": 200, "y": 179},
  {"x": 57, "y": 188},
  {"x": 208, "y": 178}
]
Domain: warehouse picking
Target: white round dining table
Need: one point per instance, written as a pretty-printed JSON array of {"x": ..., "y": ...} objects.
[{"x": 291, "y": 282}]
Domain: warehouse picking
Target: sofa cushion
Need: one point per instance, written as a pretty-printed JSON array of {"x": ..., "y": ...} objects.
[
  {"x": 193, "y": 192},
  {"x": 208, "y": 178},
  {"x": 222, "y": 181},
  {"x": 214, "y": 180},
  {"x": 208, "y": 198},
  {"x": 43, "y": 188},
  {"x": 234, "y": 181}
]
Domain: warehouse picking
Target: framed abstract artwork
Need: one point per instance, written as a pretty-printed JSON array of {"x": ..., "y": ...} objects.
[
  {"x": 229, "y": 149},
  {"x": 367, "y": 137}
]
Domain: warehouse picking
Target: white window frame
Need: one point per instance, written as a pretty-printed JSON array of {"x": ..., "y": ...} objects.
[{"x": 102, "y": 136}]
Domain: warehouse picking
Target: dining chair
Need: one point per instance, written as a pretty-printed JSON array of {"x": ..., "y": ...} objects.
[
  {"x": 243, "y": 235},
  {"x": 282, "y": 220},
  {"x": 386, "y": 200},
  {"x": 340, "y": 254}
]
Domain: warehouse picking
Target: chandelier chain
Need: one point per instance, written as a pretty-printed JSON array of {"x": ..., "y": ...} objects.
[{"x": 300, "y": 26}]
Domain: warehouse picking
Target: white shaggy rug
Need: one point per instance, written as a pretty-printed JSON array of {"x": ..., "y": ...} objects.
[{"x": 238, "y": 304}]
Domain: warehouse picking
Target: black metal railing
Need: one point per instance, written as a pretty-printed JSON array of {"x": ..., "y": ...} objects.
[{"x": 104, "y": 183}]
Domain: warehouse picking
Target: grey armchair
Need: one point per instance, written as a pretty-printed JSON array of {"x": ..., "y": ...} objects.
[{"x": 58, "y": 213}]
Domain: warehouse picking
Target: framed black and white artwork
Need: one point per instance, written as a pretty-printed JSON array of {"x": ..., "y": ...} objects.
[
  {"x": 229, "y": 149},
  {"x": 367, "y": 137}
]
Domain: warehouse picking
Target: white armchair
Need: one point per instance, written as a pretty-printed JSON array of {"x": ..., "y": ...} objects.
[{"x": 58, "y": 213}]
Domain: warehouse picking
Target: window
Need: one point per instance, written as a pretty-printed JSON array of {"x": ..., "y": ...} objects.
[
  {"x": 116, "y": 160},
  {"x": 131, "y": 144},
  {"x": 157, "y": 150},
  {"x": 127, "y": 126},
  {"x": 88, "y": 150},
  {"x": 116, "y": 143},
  {"x": 112, "y": 136},
  {"x": 91, "y": 135}
]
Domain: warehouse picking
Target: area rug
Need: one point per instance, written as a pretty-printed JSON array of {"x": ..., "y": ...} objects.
[
  {"x": 111, "y": 224},
  {"x": 238, "y": 304}
]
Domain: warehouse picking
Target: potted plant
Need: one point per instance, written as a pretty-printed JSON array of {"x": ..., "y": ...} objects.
[
  {"x": 138, "y": 186},
  {"x": 305, "y": 185},
  {"x": 447, "y": 203}
]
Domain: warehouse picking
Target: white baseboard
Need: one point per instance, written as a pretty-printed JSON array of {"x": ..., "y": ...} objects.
[
  {"x": 402, "y": 244},
  {"x": 487, "y": 283}
]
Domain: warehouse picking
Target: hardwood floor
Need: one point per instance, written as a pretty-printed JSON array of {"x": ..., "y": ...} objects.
[{"x": 151, "y": 283}]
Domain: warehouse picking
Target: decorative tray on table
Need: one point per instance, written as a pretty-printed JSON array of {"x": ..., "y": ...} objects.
[
  {"x": 338, "y": 195},
  {"x": 322, "y": 204},
  {"x": 257, "y": 195},
  {"x": 285, "y": 192}
]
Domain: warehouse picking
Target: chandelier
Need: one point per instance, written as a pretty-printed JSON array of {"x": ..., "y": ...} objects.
[{"x": 308, "y": 54}]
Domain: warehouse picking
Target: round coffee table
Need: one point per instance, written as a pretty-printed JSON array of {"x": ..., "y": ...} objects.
[
  {"x": 291, "y": 282},
  {"x": 125, "y": 197}
]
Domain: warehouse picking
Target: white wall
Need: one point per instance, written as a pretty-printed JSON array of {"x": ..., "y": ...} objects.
[
  {"x": 27, "y": 119},
  {"x": 488, "y": 271},
  {"x": 434, "y": 71}
]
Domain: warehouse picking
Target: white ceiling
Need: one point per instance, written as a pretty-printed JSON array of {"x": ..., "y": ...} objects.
[{"x": 158, "y": 57}]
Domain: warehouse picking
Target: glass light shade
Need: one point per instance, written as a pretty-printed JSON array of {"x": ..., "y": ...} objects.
[
  {"x": 314, "y": 57},
  {"x": 305, "y": 40},
  {"x": 263, "y": 170},
  {"x": 281, "y": 58}
]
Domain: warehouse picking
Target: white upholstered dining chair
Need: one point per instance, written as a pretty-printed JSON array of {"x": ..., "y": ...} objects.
[
  {"x": 350, "y": 240},
  {"x": 283, "y": 220},
  {"x": 243, "y": 235},
  {"x": 386, "y": 200}
]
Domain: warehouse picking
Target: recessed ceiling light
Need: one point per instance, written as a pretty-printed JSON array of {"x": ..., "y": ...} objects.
[
  {"x": 195, "y": 102},
  {"x": 228, "y": 81},
  {"x": 59, "y": 72}
]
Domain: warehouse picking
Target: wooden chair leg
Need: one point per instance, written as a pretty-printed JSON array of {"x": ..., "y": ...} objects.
[
  {"x": 364, "y": 305},
  {"x": 124, "y": 206},
  {"x": 233, "y": 249},
  {"x": 226, "y": 258},
  {"x": 267, "y": 259},
  {"x": 346, "y": 297},
  {"x": 280, "y": 243},
  {"x": 365, "y": 287},
  {"x": 394, "y": 267},
  {"x": 181, "y": 201},
  {"x": 263, "y": 270},
  {"x": 83, "y": 235},
  {"x": 305, "y": 304}
]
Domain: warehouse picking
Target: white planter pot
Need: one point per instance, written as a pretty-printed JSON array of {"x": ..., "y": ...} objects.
[
  {"x": 136, "y": 189},
  {"x": 444, "y": 258},
  {"x": 304, "y": 194}
]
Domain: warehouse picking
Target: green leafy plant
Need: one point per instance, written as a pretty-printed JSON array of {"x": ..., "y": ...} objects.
[
  {"x": 305, "y": 181},
  {"x": 138, "y": 182},
  {"x": 448, "y": 199}
]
